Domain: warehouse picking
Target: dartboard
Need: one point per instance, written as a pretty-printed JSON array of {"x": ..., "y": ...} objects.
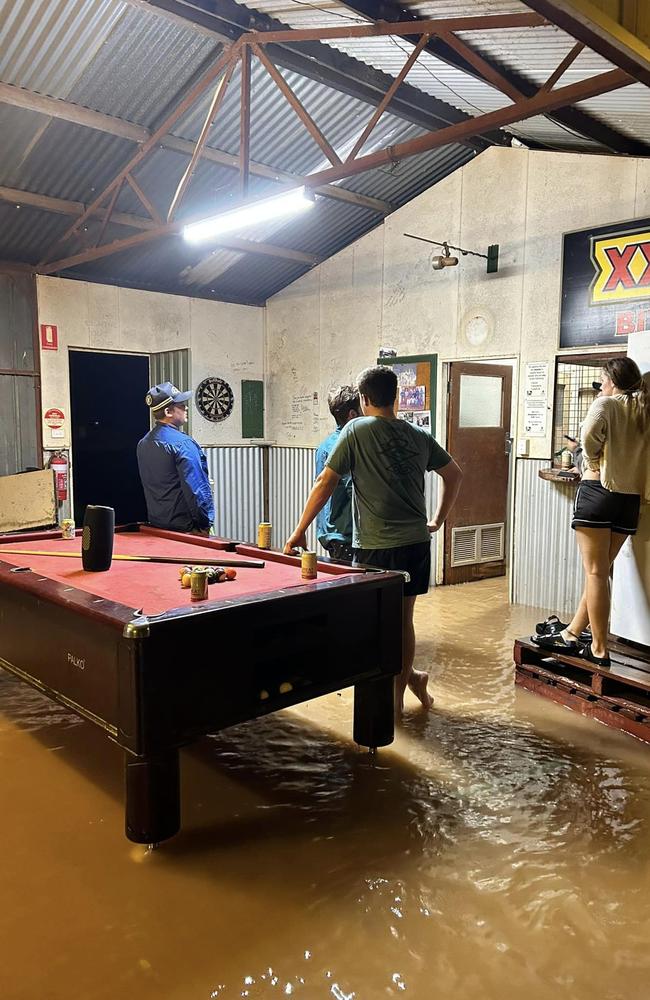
[{"x": 214, "y": 399}]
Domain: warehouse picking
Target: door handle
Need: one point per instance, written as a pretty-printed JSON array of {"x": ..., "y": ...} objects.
[{"x": 508, "y": 445}]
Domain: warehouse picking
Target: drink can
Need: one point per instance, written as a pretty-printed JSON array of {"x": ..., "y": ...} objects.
[
  {"x": 264, "y": 535},
  {"x": 199, "y": 585},
  {"x": 67, "y": 528},
  {"x": 308, "y": 566}
]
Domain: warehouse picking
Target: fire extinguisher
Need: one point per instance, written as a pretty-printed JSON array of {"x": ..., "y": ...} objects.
[{"x": 59, "y": 464}]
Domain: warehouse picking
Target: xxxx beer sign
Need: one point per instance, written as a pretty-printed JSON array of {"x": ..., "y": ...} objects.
[
  {"x": 622, "y": 268},
  {"x": 605, "y": 284}
]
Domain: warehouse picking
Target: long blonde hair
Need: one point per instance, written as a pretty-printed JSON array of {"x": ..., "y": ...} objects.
[{"x": 626, "y": 376}]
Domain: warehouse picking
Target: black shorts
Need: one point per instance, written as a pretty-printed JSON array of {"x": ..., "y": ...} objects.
[
  {"x": 412, "y": 559},
  {"x": 597, "y": 507}
]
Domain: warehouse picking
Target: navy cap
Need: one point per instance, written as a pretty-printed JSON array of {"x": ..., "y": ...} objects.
[{"x": 164, "y": 394}]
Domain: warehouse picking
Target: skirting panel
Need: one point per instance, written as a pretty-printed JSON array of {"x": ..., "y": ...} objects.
[{"x": 547, "y": 571}]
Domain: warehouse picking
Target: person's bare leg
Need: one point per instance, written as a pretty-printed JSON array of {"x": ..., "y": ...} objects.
[
  {"x": 580, "y": 620},
  {"x": 416, "y": 680},
  {"x": 595, "y": 546}
]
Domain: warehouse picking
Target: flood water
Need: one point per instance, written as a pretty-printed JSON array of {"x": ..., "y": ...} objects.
[{"x": 498, "y": 850}]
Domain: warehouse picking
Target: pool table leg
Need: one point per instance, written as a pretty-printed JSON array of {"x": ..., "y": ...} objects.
[
  {"x": 153, "y": 797},
  {"x": 374, "y": 712}
]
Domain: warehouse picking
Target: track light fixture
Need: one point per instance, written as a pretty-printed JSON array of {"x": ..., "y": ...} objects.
[{"x": 445, "y": 259}]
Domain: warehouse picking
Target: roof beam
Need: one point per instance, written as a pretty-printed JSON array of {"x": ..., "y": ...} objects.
[
  {"x": 224, "y": 242},
  {"x": 572, "y": 118},
  {"x": 480, "y": 22},
  {"x": 54, "y": 108},
  {"x": 589, "y": 25},
  {"x": 17, "y": 97},
  {"x": 325, "y": 64},
  {"x": 61, "y": 206},
  {"x": 543, "y": 101}
]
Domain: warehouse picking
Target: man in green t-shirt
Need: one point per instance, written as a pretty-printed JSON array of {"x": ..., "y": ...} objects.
[{"x": 387, "y": 459}]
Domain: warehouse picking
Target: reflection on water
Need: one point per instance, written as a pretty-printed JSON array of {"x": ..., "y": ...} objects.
[{"x": 499, "y": 850}]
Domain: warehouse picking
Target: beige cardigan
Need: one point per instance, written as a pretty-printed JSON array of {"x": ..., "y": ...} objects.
[{"x": 615, "y": 447}]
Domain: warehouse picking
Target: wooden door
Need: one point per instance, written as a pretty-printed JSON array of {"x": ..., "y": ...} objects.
[{"x": 478, "y": 437}]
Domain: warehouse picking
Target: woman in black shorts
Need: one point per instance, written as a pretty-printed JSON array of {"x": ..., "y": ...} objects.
[{"x": 616, "y": 478}]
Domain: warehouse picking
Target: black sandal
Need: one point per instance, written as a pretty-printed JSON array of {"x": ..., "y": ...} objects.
[
  {"x": 600, "y": 661},
  {"x": 550, "y": 626},
  {"x": 556, "y": 644},
  {"x": 553, "y": 626}
]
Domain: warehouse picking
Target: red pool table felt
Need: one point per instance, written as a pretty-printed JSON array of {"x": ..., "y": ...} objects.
[{"x": 154, "y": 588}]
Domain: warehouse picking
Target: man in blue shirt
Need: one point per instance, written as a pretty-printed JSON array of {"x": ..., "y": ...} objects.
[
  {"x": 173, "y": 468},
  {"x": 334, "y": 521}
]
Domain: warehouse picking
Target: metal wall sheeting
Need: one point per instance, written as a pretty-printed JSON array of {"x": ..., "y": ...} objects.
[
  {"x": 18, "y": 448},
  {"x": 291, "y": 475},
  {"x": 546, "y": 568},
  {"x": 238, "y": 491}
]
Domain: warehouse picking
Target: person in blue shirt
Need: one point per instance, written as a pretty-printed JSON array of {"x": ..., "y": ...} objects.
[
  {"x": 173, "y": 468},
  {"x": 334, "y": 521}
]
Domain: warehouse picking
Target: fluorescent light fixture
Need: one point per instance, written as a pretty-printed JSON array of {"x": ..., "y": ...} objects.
[{"x": 289, "y": 203}]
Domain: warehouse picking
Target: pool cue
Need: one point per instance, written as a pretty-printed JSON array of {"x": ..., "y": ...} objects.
[{"x": 179, "y": 560}]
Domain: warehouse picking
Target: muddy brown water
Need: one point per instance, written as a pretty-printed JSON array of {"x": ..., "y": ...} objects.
[{"x": 498, "y": 850}]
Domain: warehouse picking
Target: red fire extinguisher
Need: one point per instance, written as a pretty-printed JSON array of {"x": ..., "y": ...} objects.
[{"x": 59, "y": 464}]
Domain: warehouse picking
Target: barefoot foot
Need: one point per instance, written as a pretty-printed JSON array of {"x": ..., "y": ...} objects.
[{"x": 418, "y": 685}]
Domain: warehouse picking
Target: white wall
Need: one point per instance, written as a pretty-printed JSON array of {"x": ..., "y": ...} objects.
[
  {"x": 224, "y": 339},
  {"x": 381, "y": 291}
]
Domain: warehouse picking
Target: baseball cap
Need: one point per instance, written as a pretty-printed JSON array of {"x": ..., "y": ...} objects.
[{"x": 164, "y": 394}]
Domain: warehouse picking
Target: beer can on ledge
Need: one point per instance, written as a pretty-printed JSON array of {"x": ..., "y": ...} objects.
[
  {"x": 67, "y": 528},
  {"x": 199, "y": 585},
  {"x": 264, "y": 535},
  {"x": 308, "y": 566}
]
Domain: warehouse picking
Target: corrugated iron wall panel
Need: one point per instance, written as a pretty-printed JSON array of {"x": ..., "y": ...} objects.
[
  {"x": 18, "y": 448},
  {"x": 291, "y": 475},
  {"x": 174, "y": 367},
  {"x": 547, "y": 571},
  {"x": 238, "y": 491}
]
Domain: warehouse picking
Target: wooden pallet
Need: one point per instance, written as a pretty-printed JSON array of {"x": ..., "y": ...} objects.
[{"x": 618, "y": 696}]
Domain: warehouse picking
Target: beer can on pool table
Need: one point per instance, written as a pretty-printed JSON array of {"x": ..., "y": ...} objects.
[
  {"x": 308, "y": 566},
  {"x": 67, "y": 528},
  {"x": 199, "y": 585},
  {"x": 264, "y": 535}
]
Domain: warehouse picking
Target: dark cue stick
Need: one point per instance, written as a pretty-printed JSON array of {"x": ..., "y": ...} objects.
[{"x": 178, "y": 560}]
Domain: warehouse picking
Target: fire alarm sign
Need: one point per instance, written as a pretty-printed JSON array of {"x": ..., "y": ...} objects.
[{"x": 49, "y": 337}]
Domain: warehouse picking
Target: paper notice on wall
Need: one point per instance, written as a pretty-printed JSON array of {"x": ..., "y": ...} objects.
[
  {"x": 315, "y": 413},
  {"x": 535, "y": 419},
  {"x": 301, "y": 413},
  {"x": 536, "y": 386}
]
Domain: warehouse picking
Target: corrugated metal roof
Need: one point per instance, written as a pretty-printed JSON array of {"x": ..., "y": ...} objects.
[
  {"x": 45, "y": 45},
  {"x": 134, "y": 63}
]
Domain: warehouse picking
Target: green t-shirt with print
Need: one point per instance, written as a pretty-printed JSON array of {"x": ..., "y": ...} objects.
[{"x": 387, "y": 459}]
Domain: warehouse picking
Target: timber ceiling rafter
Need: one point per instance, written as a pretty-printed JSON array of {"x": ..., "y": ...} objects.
[{"x": 545, "y": 100}]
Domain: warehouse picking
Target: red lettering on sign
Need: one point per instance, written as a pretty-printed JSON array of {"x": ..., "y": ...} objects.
[
  {"x": 625, "y": 323},
  {"x": 620, "y": 264}
]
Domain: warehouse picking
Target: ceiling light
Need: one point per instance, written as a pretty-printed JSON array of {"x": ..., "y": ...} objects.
[{"x": 250, "y": 214}]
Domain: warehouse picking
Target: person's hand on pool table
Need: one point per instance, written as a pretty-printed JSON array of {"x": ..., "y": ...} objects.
[{"x": 298, "y": 540}]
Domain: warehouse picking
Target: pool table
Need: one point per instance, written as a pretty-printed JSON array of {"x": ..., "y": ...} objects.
[{"x": 130, "y": 652}]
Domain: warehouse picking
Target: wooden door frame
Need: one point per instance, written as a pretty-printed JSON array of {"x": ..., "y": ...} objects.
[{"x": 442, "y": 422}]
